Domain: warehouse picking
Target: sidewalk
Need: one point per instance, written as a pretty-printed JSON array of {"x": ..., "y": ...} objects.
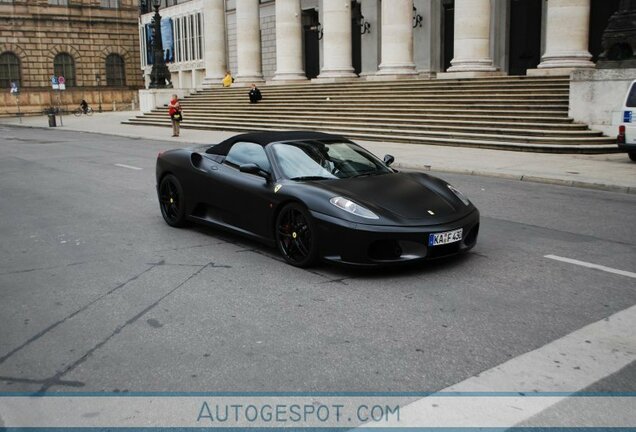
[{"x": 614, "y": 172}]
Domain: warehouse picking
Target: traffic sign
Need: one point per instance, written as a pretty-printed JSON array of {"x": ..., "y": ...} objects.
[{"x": 54, "y": 83}]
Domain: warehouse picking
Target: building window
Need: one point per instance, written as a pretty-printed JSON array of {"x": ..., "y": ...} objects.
[
  {"x": 9, "y": 70},
  {"x": 115, "y": 71},
  {"x": 58, "y": 2},
  {"x": 199, "y": 36},
  {"x": 188, "y": 37},
  {"x": 109, "y": 4},
  {"x": 63, "y": 65}
]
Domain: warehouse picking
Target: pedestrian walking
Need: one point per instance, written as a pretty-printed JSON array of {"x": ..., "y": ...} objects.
[
  {"x": 175, "y": 113},
  {"x": 255, "y": 94}
]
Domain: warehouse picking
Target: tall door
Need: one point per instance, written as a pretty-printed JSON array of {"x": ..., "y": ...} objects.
[
  {"x": 311, "y": 42},
  {"x": 600, "y": 13},
  {"x": 448, "y": 32},
  {"x": 525, "y": 36},
  {"x": 356, "y": 37}
]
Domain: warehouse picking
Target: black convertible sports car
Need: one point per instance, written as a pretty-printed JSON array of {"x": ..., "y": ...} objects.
[{"x": 315, "y": 195}]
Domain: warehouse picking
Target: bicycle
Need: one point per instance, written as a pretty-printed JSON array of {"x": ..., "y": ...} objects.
[{"x": 79, "y": 111}]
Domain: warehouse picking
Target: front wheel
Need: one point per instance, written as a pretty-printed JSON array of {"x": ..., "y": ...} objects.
[
  {"x": 632, "y": 155},
  {"x": 171, "y": 201},
  {"x": 89, "y": 111},
  {"x": 295, "y": 236}
]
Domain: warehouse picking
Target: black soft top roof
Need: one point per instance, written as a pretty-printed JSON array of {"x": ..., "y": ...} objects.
[{"x": 264, "y": 138}]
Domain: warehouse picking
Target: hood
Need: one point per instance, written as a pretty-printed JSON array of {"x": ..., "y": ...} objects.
[{"x": 403, "y": 196}]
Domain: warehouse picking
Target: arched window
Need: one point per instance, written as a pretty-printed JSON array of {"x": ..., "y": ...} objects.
[
  {"x": 9, "y": 69},
  {"x": 115, "y": 71},
  {"x": 63, "y": 65}
]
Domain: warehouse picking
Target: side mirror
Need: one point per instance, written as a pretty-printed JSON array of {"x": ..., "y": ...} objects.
[
  {"x": 388, "y": 159},
  {"x": 252, "y": 168}
]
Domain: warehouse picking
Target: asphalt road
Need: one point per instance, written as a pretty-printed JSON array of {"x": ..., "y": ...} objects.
[{"x": 97, "y": 293}]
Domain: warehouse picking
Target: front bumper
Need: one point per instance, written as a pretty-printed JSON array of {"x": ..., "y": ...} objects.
[{"x": 375, "y": 245}]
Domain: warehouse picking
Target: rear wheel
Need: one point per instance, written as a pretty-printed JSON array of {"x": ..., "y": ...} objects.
[
  {"x": 632, "y": 155},
  {"x": 171, "y": 201},
  {"x": 295, "y": 236},
  {"x": 77, "y": 112}
]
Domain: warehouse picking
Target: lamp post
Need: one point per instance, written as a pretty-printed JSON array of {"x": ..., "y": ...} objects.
[
  {"x": 98, "y": 78},
  {"x": 160, "y": 75}
]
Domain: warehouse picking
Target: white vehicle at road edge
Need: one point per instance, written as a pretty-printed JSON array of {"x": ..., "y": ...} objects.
[{"x": 627, "y": 130}]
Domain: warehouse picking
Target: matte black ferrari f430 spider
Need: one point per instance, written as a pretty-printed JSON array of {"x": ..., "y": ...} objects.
[{"x": 315, "y": 196}]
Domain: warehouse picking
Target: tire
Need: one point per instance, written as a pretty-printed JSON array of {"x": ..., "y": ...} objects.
[
  {"x": 89, "y": 111},
  {"x": 632, "y": 155},
  {"x": 172, "y": 201},
  {"x": 296, "y": 236},
  {"x": 77, "y": 112}
]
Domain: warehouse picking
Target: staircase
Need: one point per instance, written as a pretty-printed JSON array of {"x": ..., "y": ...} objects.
[{"x": 510, "y": 113}]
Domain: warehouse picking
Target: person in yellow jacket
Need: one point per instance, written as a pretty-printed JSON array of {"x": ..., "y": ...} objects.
[{"x": 228, "y": 80}]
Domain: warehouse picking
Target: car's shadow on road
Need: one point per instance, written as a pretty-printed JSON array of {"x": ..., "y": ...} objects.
[{"x": 341, "y": 271}]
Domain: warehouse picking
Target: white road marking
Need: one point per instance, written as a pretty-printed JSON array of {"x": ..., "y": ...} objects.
[
  {"x": 564, "y": 366},
  {"x": 129, "y": 167},
  {"x": 592, "y": 266}
]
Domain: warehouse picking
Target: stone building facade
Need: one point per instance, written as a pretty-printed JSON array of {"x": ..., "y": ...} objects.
[
  {"x": 286, "y": 41},
  {"x": 93, "y": 43},
  {"x": 296, "y": 40}
]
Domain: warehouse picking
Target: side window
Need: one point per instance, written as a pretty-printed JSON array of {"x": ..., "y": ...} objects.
[
  {"x": 631, "y": 99},
  {"x": 245, "y": 152}
]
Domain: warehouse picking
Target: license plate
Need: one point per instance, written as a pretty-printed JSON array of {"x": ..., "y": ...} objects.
[{"x": 445, "y": 237}]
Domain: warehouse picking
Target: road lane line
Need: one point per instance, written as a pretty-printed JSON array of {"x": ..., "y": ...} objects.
[
  {"x": 564, "y": 366},
  {"x": 128, "y": 166},
  {"x": 591, "y": 265}
]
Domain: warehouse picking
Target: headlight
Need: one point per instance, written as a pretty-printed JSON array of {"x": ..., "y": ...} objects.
[
  {"x": 353, "y": 208},
  {"x": 459, "y": 195}
]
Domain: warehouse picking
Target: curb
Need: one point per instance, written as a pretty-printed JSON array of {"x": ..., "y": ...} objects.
[{"x": 523, "y": 177}]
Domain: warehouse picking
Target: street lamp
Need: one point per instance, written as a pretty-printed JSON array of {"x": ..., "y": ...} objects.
[
  {"x": 98, "y": 78},
  {"x": 160, "y": 75}
]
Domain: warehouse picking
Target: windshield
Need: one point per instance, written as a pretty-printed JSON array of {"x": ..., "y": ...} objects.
[{"x": 315, "y": 160}]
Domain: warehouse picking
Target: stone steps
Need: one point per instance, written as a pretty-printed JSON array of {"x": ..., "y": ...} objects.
[
  {"x": 588, "y": 137},
  {"x": 466, "y": 112},
  {"x": 570, "y": 130},
  {"x": 558, "y": 123},
  {"x": 608, "y": 146},
  {"x": 513, "y": 113}
]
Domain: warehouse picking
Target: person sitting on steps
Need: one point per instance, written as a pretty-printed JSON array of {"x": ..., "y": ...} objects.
[{"x": 255, "y": 94}]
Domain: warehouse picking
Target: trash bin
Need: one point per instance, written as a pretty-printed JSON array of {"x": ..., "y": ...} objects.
[
  {"x": 52, "y": 122},
  {"x": 50, "y": 113}
]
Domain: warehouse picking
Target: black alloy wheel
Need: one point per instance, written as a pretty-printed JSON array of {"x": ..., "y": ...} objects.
[
  {"x": 171, "y": 201},
  {"x": 295, "y": 236}
]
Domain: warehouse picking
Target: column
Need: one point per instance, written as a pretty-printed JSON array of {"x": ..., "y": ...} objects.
[
  {"x": 248, "y": 41},
  {"x": 567, "y": 36},
  {"x": 472, "y": 37},
  {"x": 397, "y": 38},
  {"x": 336, "y": 41},
  {"x": 289, "y": 39},
  {"x": 214, "y": 41}
]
